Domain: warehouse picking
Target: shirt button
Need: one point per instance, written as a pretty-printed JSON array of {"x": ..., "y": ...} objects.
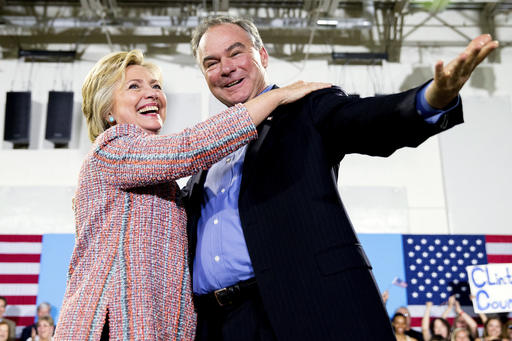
[
  {"x": 215, "y": 221},
  {"x": 228, "y": 160},
  {"x": 217, "y": 258},
  {"x": 223, "y": 190}
]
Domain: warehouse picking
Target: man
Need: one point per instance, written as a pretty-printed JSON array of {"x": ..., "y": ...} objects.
[
  {"x": 43, "y": 309},
  {"x": 12, "y": 324},
  {"x": 276, "y": 257}
]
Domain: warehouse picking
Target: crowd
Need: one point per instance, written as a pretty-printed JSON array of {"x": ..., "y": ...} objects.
[
  {"x": 496, "y": 327},
  {"x": 42, "y": 330}
]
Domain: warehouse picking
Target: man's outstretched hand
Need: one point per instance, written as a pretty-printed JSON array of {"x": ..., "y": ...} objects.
[{"x": 449, "y": 79}]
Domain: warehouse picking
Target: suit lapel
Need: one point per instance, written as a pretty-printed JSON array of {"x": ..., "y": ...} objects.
[
  {"x": 254, "y": 146},
  {"x": 263, "y": 128},
  {"x": 253, "y": 149},
  {"x": 196, "y": 182},
  {"x": 194, "y": 196}
]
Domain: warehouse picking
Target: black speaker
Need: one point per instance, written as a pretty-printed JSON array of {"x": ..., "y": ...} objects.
[
  {"x": 17, "y": 117},
  {"x": 59, "y": 117}
]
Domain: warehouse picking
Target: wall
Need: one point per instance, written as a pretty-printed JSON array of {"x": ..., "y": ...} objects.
[{"x": 413, "y": 191}]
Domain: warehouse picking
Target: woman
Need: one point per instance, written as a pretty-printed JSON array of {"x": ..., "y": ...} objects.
[
  {"x": 44, "y": 328},
  {"x": 461, "y": 334},
  {"x": 493, "y": 330},
  {"x": 438, "y": 327},
  {"x": 399, "y": 323},
  {"x": 4, "y": 331},
  {"x": 130, "y": 261}
]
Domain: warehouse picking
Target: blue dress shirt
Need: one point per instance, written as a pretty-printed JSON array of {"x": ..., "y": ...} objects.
[{"x": 221, "y": 257}]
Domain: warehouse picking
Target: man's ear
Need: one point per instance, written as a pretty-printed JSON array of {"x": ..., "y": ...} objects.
[{"x": 264, "y": 56}]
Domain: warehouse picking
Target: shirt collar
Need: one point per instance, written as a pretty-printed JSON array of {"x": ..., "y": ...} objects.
[{"x": 268, "y": 88}]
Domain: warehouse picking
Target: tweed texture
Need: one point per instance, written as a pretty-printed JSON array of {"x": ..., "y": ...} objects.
[{"x": 130, "y": 254}]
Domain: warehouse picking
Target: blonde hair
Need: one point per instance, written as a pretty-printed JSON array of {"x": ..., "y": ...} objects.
[
  {"x": 46, "y": 318},
  {"x": 4, "y": 323},
  {"x": 101, "y": 82}
]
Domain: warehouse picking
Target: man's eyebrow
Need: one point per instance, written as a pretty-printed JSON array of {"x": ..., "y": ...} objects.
[
  {"x": 228, "y": 49},
  {"x": 234, "y": 46}
]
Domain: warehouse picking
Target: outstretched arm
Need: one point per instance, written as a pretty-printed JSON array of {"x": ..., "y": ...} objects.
[
  {"x": 425, "y": 322},
  {"x": 472, "y": 325},
  {"x": 127, "y": 158},
  {"x": 449, "y": 79},
  {"x": 449, "y": 307}
]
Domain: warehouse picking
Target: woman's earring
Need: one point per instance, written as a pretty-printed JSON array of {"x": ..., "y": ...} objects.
[{"x": 111, "y": 119}]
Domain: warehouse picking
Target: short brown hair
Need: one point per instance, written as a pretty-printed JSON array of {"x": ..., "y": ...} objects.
[
  {"x": 246, "y": 24},
  {"x": 100, "y": 84}
]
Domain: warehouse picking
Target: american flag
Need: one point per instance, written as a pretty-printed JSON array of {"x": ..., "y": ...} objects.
[
  {"x": 19, "y": 276},
  {"x": 435, "y": 267},
  {"x": 399, "y": 282}
]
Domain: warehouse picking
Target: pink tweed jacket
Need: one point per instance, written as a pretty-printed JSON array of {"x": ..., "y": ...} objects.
[{"x": 130, "y": 253}]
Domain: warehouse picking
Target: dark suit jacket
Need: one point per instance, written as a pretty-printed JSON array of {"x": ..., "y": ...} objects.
[{"x": 313, "y": 275}]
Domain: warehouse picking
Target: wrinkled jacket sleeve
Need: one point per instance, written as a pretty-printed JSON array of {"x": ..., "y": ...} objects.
[
  {"x": 128, "y": 157},
  {"x": 376, "y": 126}
]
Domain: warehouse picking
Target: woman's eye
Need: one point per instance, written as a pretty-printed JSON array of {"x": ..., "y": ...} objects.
[
  {"x": 133, "y": 86},
  {"x": 157, "y": 86}
]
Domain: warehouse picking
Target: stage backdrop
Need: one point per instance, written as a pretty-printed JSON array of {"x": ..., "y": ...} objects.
[{"x": 414, "y": 269}]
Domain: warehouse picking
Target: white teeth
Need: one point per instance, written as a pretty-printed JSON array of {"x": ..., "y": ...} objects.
[
  {"x": 148, "y": 108},
  {"x": 233, "y": 83}
]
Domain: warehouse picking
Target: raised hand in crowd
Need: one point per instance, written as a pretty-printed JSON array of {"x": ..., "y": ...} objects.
[
  {"x": 462, "y": 319},
  {"x": 438, "y": 327}
]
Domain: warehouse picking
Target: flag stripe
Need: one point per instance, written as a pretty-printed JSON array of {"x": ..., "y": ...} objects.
[
  {"x": 499, "y": 258},
  {"x": 436, "y": 310},
  {"x": 15, "y": 238},
  {"x": 20, "y": 258},
  {"x": 416, "y": 321},
  {"x": 19, "y": 268},
  {"x": 21, "y": 299},
  {"x": 417, "y": 311},
  {"x": 498, "y": 248},
  {"x": 18, "y": 289},
  {"x": 17, "y": 248},
  {"x": 19, "y": 279},
  {"x": 21, "y": 310},
  {"x": 498, "y": 239},
  {"x": 21, "y": 320}
]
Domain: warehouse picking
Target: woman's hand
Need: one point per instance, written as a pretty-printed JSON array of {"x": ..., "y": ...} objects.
[
  {"x": 299, "y": 89},
  {"x": 261, "y": 106}
]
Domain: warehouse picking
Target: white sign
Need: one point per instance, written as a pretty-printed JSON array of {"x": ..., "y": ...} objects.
[{"x": 491, "y": 287}]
